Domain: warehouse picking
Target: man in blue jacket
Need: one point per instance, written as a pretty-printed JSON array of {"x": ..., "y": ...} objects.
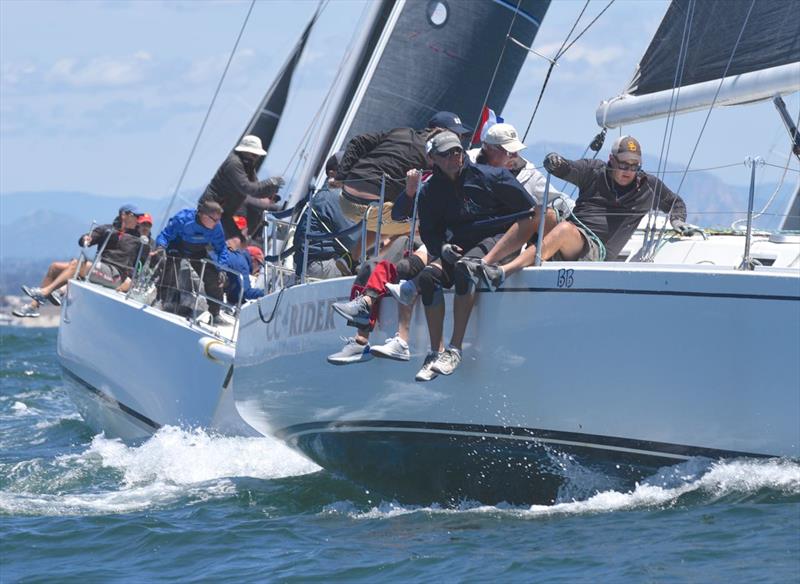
[
  {"x": 188, "y": 234},
  {"x": 239, "y": 260}
]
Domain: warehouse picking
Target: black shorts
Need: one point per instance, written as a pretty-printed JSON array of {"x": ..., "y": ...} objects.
[{"x": 475, "y": 252}]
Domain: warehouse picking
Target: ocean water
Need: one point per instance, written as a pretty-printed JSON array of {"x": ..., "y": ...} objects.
[{"x": 188, "y": 506}]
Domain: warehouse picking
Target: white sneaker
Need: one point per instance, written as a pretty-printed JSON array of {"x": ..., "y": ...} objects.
[
  {"x": 447, "y": 362},
  {"x": 404, "y": 292},
  {"x": 26, "y": 311},
  {"x": 394, "y": 348},
  {"x": 352, "y": 352},
  {"x": 426, "y": 373}
]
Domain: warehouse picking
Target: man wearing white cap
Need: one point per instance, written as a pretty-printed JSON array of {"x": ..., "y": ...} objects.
[{"x": 236, "y": 184}]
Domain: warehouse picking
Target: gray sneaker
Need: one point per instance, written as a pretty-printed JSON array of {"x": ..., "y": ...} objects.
[
  {"x": 55, "y": 298},
  {"x": 426, "y": 373},
  {"x": 394, "y": 348},
  {"x": 405, "y": 292},
  {"x": 35, "y": 293},
  {"x": 469, "y": 270},
  {"x": 447, "y": 362},
  {"x": 26, "y": 311},
  {"x": 356, "y": 311},
  {"x": 493, "y": 275},
  {"x": 352, "y": 352}
]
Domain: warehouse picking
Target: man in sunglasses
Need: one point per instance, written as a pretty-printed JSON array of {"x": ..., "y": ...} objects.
[
  {"x": 188, "y": 235},
  {"x": 612, "y": 199},
  {"x": 459, "y": 194}
]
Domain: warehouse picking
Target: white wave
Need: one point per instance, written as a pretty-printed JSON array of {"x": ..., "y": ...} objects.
[
  {"x": 710, "y": 480},
  {"x": 174, "y": 465}
]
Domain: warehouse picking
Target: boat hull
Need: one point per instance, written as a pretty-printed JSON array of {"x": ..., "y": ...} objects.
[
  {"x": 131, "y": 369},
  {"x": 616, "y": 369}
]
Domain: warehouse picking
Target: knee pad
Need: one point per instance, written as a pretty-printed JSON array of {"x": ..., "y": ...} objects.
[
  {"x": 409, "y": 267},
  {"x": 429, "y": 284},
  {"x": 463, "y": 280}
]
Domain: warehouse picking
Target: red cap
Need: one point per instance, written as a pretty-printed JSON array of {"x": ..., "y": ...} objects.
[
  {"x": 145, "y": 218},
  {"x": 256, "y": 253},
  {"x": 241, "y": 222}
]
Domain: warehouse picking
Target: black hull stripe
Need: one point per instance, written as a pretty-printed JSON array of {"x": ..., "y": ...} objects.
[
  {"x": 651, "y": 293},
  {"x": 155, "y": 426},
  {"x": 575, "y": 439}
]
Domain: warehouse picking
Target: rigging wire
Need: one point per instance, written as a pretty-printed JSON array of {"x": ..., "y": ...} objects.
[
  {"x": 564, "y": 48},
  {"x": 497, "y": 65},
  {"x": 713, "y": 102},
  {"x": 208, "y": 113}
]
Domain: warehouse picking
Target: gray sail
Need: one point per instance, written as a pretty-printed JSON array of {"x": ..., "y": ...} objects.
[
  {"x": 770, "y": 36},
  {"x": 423, "y": 56},
  {"x": 265, "y": 120}
]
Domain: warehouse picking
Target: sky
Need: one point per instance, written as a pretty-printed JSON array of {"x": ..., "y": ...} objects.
[{"x": 107, "y": 97}]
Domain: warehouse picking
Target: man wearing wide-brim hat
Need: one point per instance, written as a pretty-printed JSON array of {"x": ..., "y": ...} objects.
[{"x": 236, "y": 185}]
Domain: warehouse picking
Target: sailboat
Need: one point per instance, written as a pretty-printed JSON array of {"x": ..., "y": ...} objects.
[
  {"x": 688, "y": 348},
  {"x": 132, "y": 368}
]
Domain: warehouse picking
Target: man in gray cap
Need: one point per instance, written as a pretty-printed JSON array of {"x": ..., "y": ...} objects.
[
  {"x": 235, "y": 185},
  {"x": 459, "y": 194}
]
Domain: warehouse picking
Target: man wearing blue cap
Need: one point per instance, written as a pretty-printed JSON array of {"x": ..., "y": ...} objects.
[{"x": 120, "y": 245}]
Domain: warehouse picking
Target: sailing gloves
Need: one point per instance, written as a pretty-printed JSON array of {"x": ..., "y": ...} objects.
[
  {"x": 554, "y": 162},
  {"x": 451, "y": 253},
  {"x": 685, "y": 229}
]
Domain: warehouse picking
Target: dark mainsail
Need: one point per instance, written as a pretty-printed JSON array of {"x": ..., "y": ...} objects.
[
  {"x": 770, "y": 37},
  {"x": 422, "y": 56},
  {"x": 264, "y": 122}
]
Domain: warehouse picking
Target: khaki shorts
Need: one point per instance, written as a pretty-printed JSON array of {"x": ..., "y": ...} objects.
[{"x": 355, "y": 212}]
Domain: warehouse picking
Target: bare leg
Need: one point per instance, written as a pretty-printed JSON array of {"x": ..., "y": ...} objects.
[
  {"x": 565, "y": 238},
  {"x": 62, "y": 278},
  {"x": 53, "y": 271},
  {"x": 404, "y": 320},
  {"x": 513, "y": 239},
  {"x": 462, "y": 308},
  {"x": 435, "y": 316}
]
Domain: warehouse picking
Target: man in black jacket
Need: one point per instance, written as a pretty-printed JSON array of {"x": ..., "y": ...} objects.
[
  {"x": 235, "y": 184},
  {"x": 457, "y": 196},
  {"x": 612, "y": 199},
  {"x": 120, "y": 242}
]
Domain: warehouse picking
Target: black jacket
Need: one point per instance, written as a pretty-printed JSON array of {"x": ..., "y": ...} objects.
[
  {"x": 614, "y": 212},
  {"x": 233, "y": 182},
  {"x": 451, "y": 207},
  {"x": 122, "y": 248},
  {"x": 394, "y": 153}
]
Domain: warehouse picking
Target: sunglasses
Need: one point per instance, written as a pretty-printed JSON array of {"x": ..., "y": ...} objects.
[
  {"x": 635, "y": 167},
  {"x": 452, "y": 152}
]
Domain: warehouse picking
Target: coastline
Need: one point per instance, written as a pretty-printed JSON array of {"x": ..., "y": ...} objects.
[{"x": 50, "y": 315}]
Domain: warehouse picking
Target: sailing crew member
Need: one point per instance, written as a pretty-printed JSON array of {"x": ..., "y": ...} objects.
[
  {"x": 121, "y": 248},
  {"x": 369, "y": 157},
  {"x": 187, "y": 235},
  {"x": 235, "y": 184},
  {"x": 613, "y": 198},
  {"x": 239, "y": 260},
  {"x": 458, "y": 194}
]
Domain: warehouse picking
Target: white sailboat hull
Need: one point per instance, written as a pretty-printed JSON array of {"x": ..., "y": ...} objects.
[
  {"x": 627, "y": 367},
  {"x": 131, "y": 369}
]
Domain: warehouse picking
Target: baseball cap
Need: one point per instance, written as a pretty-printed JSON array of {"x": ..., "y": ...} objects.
[
  {"x": 256, "y": 253},
  {"x": 504, "y": 135},
  {"x": 251, "y": 144},
  {"x": 448, "y": 121},
  {"x": 145, "y": 218},
  {"x": 442, "y": 142},
  {"x": 627, "y": 145},
  {"x": 130, "y": 208},
  {"x": 241, "y": 222}
]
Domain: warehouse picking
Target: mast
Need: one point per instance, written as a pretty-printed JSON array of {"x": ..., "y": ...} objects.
[{"x": 348, "y": 80}]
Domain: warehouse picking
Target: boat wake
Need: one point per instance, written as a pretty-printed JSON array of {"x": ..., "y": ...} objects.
[
  {"x": 174, "y": 467},
  {"x": 692, "y": 483}
]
